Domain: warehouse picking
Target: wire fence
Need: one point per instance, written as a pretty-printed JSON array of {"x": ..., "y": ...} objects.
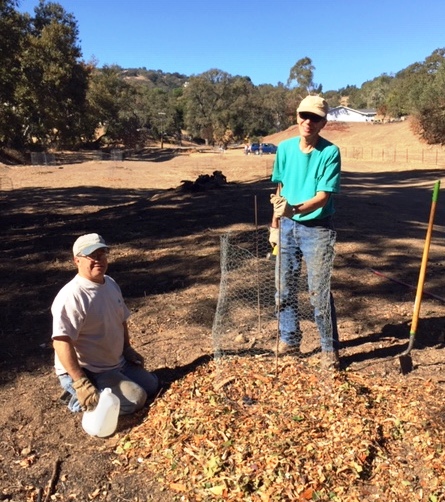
[
  {"x": 430, "y": 156},
  {"x": 55, "y": 159}
]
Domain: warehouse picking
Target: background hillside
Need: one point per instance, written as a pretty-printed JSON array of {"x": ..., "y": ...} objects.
[
  {"x": 392, "y": 146},
  {"x": 362, "y": 134}
]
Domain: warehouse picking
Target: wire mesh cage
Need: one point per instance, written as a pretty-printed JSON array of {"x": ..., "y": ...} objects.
[
  {"x": 43, "y": 159},
  {"x": 117, "y": 155},
  {"x": 246, "y": 318}
]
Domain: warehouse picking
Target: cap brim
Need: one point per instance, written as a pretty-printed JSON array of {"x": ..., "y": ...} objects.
[
  {"x": 305, "y": 110},
  {"x": 90, "y": 249}
]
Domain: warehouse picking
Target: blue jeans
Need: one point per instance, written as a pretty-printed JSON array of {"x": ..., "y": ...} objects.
[
  {"x": 314, "y": 244},
  {"x": 132, "y": 384}
]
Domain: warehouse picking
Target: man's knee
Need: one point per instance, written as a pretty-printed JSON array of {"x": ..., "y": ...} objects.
[{"x": 132, "y": 397}]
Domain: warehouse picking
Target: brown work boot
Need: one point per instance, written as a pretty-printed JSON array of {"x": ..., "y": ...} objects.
[
  {"x": 285, "y": 349},
  {"x": 330, "y": 360}
]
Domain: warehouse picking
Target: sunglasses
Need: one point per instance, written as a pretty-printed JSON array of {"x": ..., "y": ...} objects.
[
  {"x": 95, "y": 255},
  {"x": 310, "y": 116}
]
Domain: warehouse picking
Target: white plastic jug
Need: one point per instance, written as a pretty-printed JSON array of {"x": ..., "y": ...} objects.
[{"x": 102, "y": 421}]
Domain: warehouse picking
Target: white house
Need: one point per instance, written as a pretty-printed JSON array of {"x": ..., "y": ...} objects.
[{"x": 345, "y": 114}]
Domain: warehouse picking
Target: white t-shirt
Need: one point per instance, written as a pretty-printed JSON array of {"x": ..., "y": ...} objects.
[{"x": 92, "y": 315}]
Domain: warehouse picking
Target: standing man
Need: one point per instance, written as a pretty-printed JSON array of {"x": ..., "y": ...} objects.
[
  {"x": 307, "y": 170},
  {"x": 90, "y": 336}
]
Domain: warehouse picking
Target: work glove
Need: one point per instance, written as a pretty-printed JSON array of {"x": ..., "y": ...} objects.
[
  {"x": 281, "y": 207},
  {"x": 274, "y": 236},
  {"x": 87, "y": 394},
  {"x": 132, "y": 356}
]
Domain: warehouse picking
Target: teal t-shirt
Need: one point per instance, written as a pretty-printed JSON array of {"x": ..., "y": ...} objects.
[{"x": 302, "y": 175}]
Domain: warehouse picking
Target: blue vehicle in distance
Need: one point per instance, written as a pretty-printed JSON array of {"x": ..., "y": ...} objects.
[{"x": 263, "y": 148}]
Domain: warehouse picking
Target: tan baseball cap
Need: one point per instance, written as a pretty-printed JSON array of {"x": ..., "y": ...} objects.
[
  {"x": 314, "y": 104},
  {"x": 87, "y": 244}
]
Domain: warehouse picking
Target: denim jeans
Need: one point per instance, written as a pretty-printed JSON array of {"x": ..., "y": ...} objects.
[
  {"x": 131, "y": 384},
  {"x": 314, "y": 244}
]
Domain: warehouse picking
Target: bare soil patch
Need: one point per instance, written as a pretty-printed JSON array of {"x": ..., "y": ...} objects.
[{"x": 166, "y": 258}]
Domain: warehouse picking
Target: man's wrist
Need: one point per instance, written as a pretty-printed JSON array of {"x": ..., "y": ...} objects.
[{"x": 78, "y": 377}]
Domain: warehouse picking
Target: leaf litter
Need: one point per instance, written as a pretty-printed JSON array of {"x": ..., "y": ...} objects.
[{"x": 286, "y": 430}]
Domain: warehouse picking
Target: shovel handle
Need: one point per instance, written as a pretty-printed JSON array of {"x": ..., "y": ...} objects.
[{"x": 423, "y": 265}]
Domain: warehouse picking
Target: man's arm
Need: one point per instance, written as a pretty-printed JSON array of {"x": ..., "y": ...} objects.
[
  {"x": 126, "y": 335},
  {"x": 129, "y": 353},
  {"x": 275, "y": 223},
  {"x": 319, "y": 200},
  {"x": 64, "y": 349},
  {"x": 87, "y": 394}
]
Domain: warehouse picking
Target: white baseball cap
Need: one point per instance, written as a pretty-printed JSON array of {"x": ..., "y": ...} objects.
[{"x": 87, "y": 244}]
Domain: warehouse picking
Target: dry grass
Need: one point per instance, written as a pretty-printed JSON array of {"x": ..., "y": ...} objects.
[{"x": 395, "y": 134}]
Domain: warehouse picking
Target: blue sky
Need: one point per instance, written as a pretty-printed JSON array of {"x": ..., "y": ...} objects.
[{"x": 349, "y": 41}]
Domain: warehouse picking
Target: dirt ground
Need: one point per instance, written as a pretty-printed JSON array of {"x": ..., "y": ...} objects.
[{"x": 165, "y": 256}]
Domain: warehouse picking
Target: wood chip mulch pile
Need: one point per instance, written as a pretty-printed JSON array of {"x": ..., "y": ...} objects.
[{"x": 253, "y": 429}]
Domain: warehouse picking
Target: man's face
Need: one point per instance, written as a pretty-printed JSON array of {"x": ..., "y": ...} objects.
[
  {"x": 310, "y": 124},
  {"x": 94, "y": 266}
]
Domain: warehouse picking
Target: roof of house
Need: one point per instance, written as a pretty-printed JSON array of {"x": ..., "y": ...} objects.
[{"x": 361, "y": 112}]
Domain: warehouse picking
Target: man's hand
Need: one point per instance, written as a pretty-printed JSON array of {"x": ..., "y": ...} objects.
[
  {"x": 274, "y": 236},
  {"x": 87, "y": 394},
  {"x": 281, "y": 207},
  {"x": 132, "y": 356}
]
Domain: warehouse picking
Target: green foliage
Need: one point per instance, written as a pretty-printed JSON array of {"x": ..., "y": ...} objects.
[
  {"x": 220, "y": 108},
  {"x": 418, "y": 90},
  {"x": 303, "y": 74},
  {"x": 156, "y": 79},
  {"x": 404, "y": 91},
  {"x": 127, "y": 109},
  {"x": 374, "y": 92},
  {"x": 429, "y": 110},
  {"x": 216, "y": 105},
  {"x": 274, "y": 112},
  {"x": 13, "y": 27},
  {"x": 333, "y": 98},
  {"x": 49, "y": 97},
  {"x": 52, "y": 85},
  {"x": 44, "y": 83},
  {"x": 107, "y": 99}
]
